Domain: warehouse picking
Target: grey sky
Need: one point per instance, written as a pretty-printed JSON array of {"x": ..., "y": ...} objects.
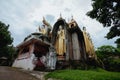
[{"x": 24, "y": 17}]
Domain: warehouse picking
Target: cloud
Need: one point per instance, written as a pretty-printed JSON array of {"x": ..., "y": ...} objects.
[
  {"x": 50, "y": 18},
  {"x": 67, "y": 9},
  {"x": 24, "y": 17}
]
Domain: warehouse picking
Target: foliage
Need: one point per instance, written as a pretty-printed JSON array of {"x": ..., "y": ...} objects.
[
  {"x": 110, "y": 56},
  {"x": 107, "y": 12},
  {"x": 6, "y": 49},
  {"x": 98, "y": 74},
  {"x": 118, "y": 48}
]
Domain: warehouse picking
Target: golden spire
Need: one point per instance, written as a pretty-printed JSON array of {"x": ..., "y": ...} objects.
[
  {"x": 72, "y": 19},
  {"x": 44, "y": 21},
  {"x": 60, "y": 15}
]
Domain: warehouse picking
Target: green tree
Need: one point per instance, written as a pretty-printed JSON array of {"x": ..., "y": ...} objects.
[
  {"x": 6, "y": 48},
  {"x": 110, "y": 56},
  {"x": 107, "y": 12}
]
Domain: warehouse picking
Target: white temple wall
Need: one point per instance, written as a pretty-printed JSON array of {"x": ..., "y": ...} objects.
[
  {"x": 25, "y": 63},
  {"x": 25, "y": 60}
]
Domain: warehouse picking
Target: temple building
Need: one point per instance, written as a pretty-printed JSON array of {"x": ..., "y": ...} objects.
[{"x": 55, "y": 47}]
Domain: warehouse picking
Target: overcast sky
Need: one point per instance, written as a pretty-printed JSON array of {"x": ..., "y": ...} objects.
[{"x": 24, "y": 17}]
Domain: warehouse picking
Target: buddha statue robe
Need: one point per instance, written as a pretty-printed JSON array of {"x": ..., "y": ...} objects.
[
  {"x": 88, "y": 44},
  {"x": 60, "y": 42}
]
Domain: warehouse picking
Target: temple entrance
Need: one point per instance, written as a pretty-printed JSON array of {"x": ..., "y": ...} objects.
[{"x": 40, "y": 52}]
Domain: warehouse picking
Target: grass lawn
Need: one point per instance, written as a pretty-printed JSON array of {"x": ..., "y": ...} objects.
[{"x": 98, "y": 74}]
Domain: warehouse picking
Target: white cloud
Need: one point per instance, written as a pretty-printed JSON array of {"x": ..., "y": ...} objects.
[{"x": 24, "y": 16}]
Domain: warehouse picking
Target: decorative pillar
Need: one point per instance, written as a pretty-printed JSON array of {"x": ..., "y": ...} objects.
[
  {"x": 31, "y": 48},
  {"x": 76, "y": 48},
  {"x": 19, "y": 53}
]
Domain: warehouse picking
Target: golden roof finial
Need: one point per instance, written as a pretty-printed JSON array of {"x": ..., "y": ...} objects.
[{"x": 44, "y": 21}]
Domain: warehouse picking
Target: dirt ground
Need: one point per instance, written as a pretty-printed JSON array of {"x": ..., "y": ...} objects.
[{"x": 9, "y": 73}]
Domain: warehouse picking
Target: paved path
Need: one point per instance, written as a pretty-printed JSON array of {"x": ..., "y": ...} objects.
[
  {"x": 38, "y": 74},
  {"x": 8, "y": 73}
]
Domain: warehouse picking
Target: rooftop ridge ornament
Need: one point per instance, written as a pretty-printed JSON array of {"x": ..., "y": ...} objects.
[
  {"x": 60, "y": 15},
  {"x": 45, "y": 22},
  {"x": 84, "y": 28},
  {"x": 72, "y": 19}
]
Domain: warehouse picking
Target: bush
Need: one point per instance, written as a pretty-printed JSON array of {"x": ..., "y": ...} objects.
[{"x": 110, "y": 56}]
